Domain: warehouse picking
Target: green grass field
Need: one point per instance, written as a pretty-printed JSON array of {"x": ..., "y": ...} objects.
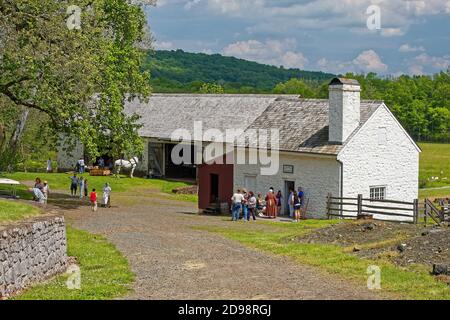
[
  {"x": 105, "y": 273},
  {"x": 434, "y": 162},
  {"x": 11, "y": 211},
  {"x": 61, "y": 182},
  {"x": 279, "y": 238}
]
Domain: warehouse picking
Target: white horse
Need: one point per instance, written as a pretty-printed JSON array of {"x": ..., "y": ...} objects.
[{"x": 127, "y": 164}]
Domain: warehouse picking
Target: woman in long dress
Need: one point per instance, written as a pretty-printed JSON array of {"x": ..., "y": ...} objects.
[{"x": 271, "y": 204}]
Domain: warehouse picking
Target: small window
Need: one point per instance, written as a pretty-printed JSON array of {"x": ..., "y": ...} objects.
[{"x": 378, "y": 193}]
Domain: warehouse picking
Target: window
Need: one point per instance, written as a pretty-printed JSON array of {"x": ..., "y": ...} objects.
[{"x": 377, "y": 193}]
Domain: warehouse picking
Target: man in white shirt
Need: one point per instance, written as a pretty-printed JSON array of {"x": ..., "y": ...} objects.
[
  {"x": 237, "y": 199},
  {"x": 81, "y": 165},
  {"x": 107, "y": 196}
]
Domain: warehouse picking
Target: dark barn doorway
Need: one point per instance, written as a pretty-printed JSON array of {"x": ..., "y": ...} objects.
[
  {"x": 184, "y": 171},
  {"x": 214, "y": 187},
  {"x": 288, "y": 185}
]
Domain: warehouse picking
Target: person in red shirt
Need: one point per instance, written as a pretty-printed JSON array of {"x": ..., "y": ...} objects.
[{"x": 93, "y": 199}]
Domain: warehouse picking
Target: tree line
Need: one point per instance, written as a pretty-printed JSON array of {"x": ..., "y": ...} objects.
[{"x": 420, "y": 103}]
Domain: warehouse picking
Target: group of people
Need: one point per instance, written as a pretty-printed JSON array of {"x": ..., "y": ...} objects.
[
  {"x": 81, "y": 184},
  {"x": 245, "y": 202},
  {"x": 81, "y": 166},
  {"x": 250, "y": 205},
  {"x": 40, "y": 191}
]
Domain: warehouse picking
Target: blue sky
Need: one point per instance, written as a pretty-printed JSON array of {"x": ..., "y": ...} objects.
[{"x": 328, "y": 35}]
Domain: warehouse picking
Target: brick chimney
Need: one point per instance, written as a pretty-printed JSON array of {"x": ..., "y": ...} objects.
[{"x": 345, "y": 109}]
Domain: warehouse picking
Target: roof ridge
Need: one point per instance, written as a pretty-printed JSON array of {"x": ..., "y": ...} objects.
[{"x": 215, "y": 95}]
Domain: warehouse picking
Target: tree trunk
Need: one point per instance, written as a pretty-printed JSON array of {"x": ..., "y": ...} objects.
[
  {"x": 2, "y": 136},
  {"x": 18, "y": 131}
]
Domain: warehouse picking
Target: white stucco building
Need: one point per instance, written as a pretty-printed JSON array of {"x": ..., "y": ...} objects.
[{"x": 342, "y": 145}]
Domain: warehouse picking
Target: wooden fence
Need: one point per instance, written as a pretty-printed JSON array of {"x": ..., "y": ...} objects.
[
  {"x": 431, "y": 211},
  {"x": 359, "y": 208}
]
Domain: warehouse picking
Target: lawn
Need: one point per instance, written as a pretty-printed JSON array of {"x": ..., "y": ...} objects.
[
  {"x": 434, "y": 162},
  {"x": 105, "y": 273},
  {"x": 279, "y": 238},
  {"x": 11, "y": 211},
  {"x": 61, "y": 182}
]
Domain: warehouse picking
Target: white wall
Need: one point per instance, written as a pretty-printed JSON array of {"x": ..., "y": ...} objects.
[
  {"x": 345, "y": 111},
  {"x": 67, "y": 160},
  {"x": 316, "y": 175},
  {"x": 381, "y": 154}
]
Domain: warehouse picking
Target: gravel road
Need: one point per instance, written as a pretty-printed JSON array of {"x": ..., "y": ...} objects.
[{"x": 172, "y": 260}]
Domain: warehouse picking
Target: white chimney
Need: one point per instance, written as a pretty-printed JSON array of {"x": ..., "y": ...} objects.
[{"x": 345, "y": 109}]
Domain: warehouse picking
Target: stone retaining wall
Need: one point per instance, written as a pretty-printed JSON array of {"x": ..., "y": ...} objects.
[{"x": 31, "y": 251}]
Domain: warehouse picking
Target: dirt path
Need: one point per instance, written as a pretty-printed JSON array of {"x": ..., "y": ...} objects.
[{"x": 172, "y": 260}]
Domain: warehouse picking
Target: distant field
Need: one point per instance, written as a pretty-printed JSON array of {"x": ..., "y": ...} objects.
[{"x": 434, "y": 162}]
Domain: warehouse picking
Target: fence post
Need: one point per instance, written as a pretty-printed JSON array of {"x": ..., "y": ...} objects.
[
  {"x": 329, "y": 205},
  {"x": 416, "y": 211},
  {"x": 360, "y": 199},
  {"x": 425, "y": 212}
]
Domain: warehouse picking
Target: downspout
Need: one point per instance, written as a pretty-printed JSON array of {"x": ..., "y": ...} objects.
[
  {"x": 341, "y": 181},
  {"x": 341, "y": 178}
]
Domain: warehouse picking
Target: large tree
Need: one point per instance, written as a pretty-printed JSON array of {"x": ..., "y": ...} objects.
[{"x": 76, "y": 62}]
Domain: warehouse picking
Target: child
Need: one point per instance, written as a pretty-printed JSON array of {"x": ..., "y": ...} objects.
[
  {"x": 107, "y": 196},
  {"x": 93, "y": 198},
  {"x": 46, "y": 191}
]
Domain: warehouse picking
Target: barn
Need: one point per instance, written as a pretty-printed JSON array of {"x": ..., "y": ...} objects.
[{"x": 343, "y": 145}]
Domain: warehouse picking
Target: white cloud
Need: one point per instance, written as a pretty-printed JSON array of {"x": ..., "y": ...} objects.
[
  {"x": 274, "y": 52},
  {"x": 392, "y": 32},
  {"x": 190, "y": 4},
  {"x": 235, "y": 7},
  {"x": 407, "y": 48},
  {"x": 369, "y": 61},
  {"x": 323, "y": 62},
  {"x": 425, "y": 62},
  {"x": 278, "y": 16},
  {"x": 366, "y": 61},
  {"x": 164, "y": 45}
]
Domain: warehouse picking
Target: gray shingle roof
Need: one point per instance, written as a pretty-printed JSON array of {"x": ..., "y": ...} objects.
[
  {"x": 302, "y": 123},
  {"x": 164, "y": 113}
]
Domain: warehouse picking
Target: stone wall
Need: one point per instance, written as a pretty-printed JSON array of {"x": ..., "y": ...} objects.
[{"x": 31, "y": 251}]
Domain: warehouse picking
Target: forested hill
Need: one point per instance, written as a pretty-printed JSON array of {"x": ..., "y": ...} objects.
[{"x": 179, "y": 71}]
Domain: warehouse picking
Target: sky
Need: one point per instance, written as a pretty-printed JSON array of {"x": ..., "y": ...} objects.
[{"x": 389, "y": 37}]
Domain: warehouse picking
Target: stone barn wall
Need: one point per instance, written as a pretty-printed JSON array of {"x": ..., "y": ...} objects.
[{"x": 31, "y": 251}]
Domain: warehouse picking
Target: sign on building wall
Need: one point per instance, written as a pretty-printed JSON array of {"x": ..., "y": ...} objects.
[{"x": 288, "y": 168}]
